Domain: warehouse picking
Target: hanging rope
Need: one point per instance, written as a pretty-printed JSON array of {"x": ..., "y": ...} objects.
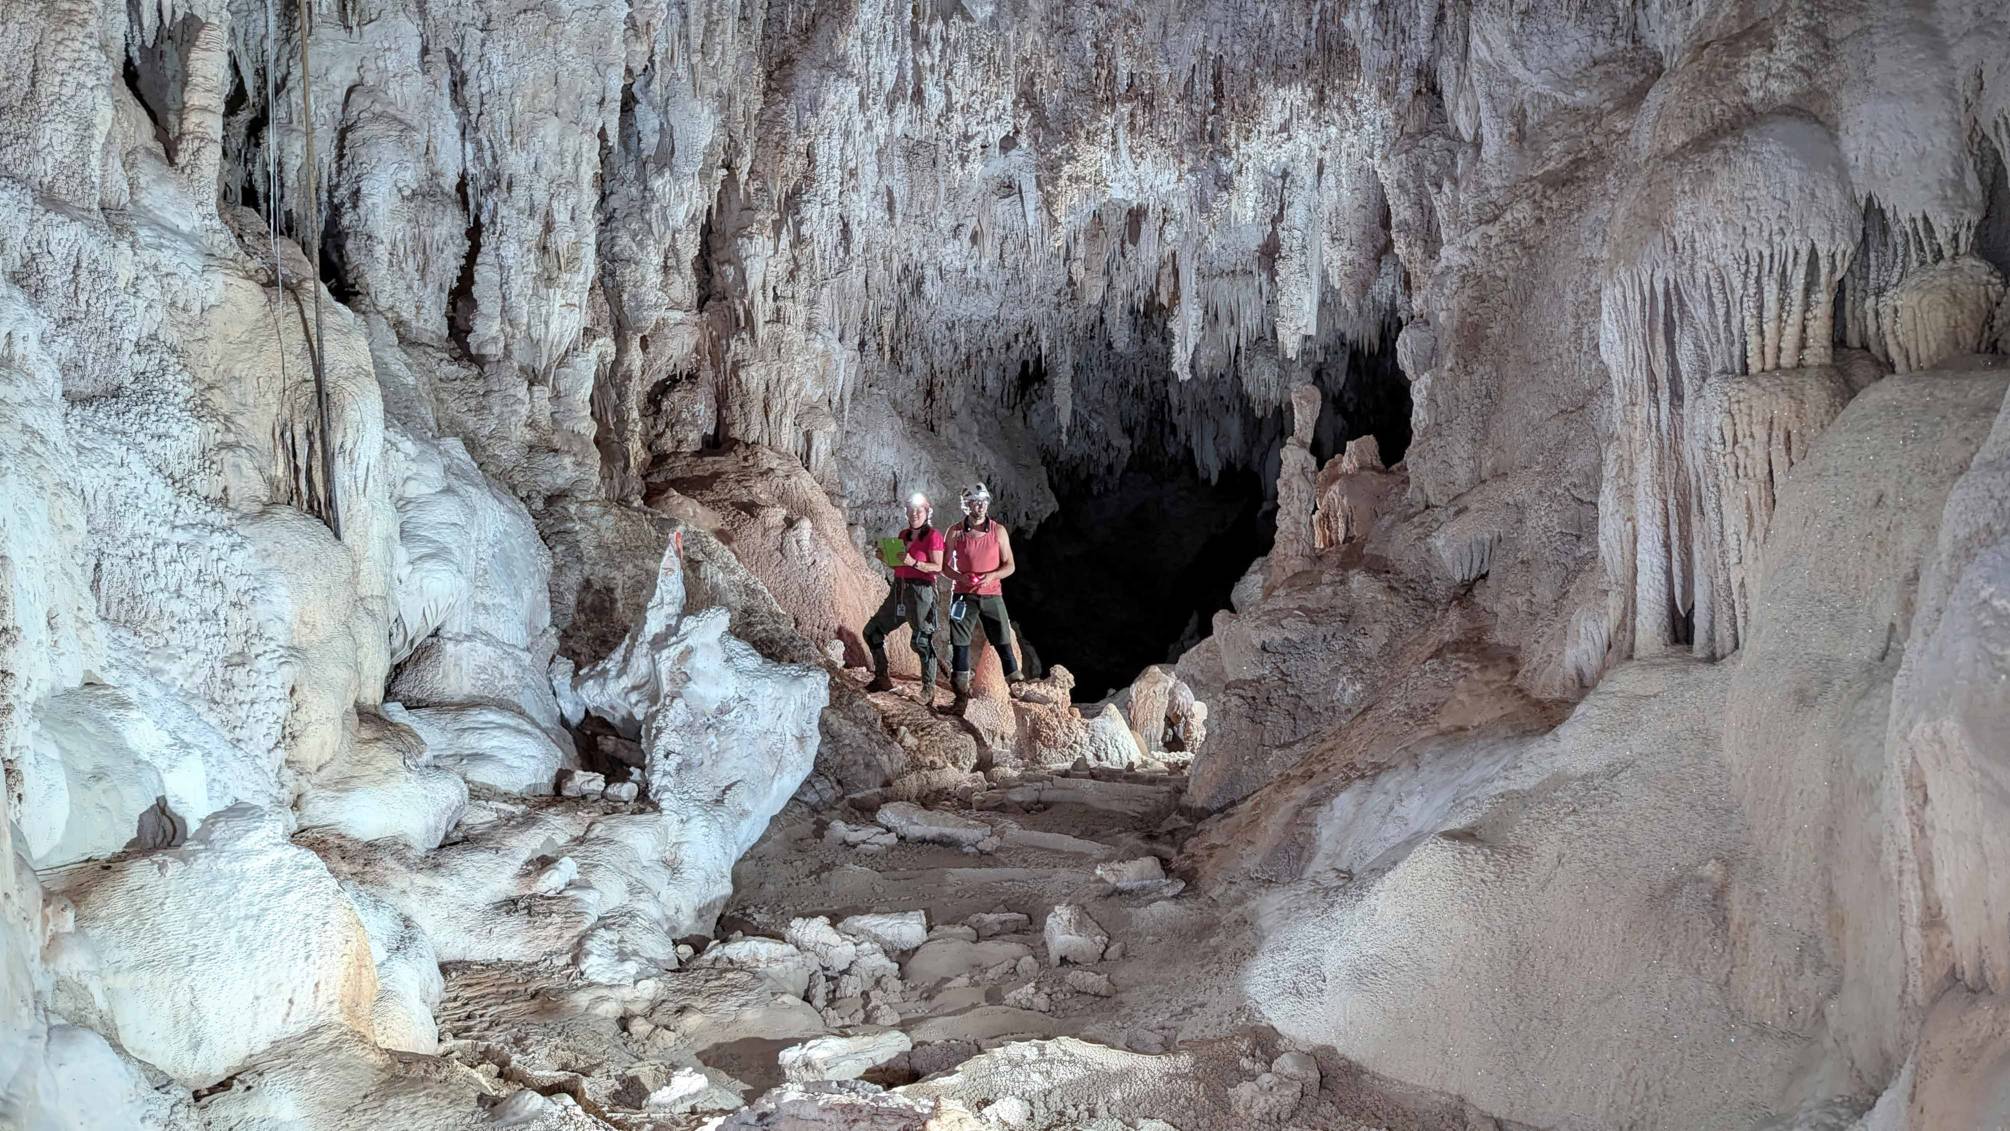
[
  {"x": 272, "y": 186},
  {"x": 324, "y": 500},
  {"x": 327, "y": 438}
]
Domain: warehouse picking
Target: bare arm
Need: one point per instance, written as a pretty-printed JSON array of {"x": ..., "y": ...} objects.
[
  {"x": 953, "y": 568},
  {"x": 1006, "y": 564}
]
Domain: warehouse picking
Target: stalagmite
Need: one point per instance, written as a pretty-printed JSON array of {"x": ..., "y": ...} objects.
[
  {"x": 1351, "y": 489},
  {"x": 1296, "y": 493}
]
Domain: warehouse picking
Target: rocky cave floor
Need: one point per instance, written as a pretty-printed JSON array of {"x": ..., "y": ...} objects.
[{"x": 1014, "y": 956}]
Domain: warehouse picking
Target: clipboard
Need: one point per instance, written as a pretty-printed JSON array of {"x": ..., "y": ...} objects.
[{"x": 891, "y": 550}]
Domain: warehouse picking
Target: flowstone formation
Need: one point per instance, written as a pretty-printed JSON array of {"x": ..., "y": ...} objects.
[{"x": 441, "y": 446}]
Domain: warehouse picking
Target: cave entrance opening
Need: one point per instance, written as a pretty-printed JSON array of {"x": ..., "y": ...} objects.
[
  {"x": 1132, "y": 567},
  {"x": 1129, "y": 573}
]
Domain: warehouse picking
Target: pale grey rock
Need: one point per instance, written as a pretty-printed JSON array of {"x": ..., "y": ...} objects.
[
  {"x": 779, "y": 962},
  {"x": 1072, "y": 936},
  {"x": 1091, "y": 982},
  {"x": 896, "y": 932},
  {"x": 841, "y": 1058},
  {"x": 1267, "y": 1100},
  {"x": 698, "y": 1090},
  {"x": 989, "y": 923},
  {"x": 1298, "y": 1066},
  {"x": 1144, "y": 873},
  {"x": 1029, "y": 997},
  {"x": 1010, "y": 1112},
  {"x": 817, "y": 938},
  {"x": 840, "y": 834},
  {"x": 909, "y": 821},
  {"x": 240, "y": 911}
]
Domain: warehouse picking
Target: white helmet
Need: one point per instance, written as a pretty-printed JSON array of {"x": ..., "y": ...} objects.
[
  {"x": 976, "y": 494},
  {"x": 920, "y": 500}
]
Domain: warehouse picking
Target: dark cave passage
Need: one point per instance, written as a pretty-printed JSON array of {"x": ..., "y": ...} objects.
[
  {"x": 1131, "y": 570},
  {"x": 1366, "y": 395},
  {"x": 1114, "y": 580}
]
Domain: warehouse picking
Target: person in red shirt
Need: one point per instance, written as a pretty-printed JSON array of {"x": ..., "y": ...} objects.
[
  {"x": 912, "y": 599},
  {"x": 980, "y": 559}
]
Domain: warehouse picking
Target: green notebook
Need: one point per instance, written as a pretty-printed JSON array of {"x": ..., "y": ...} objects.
[{"x": 891, "y": 550}]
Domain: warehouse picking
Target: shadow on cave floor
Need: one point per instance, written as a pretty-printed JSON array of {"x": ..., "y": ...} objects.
[{"x": 1115, "y": 581}]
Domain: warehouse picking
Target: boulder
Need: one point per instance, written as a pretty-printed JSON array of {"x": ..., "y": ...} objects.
[
  {"x": 783, "y": 527},
  {"x": 1091, "y": 982},
  {"x": 840, "y": 834},
  {"x": 384, "y": 785},
  {"x": 208, "y": 953},
  {"x": 895, "y": 932},
  {"x": 486, "y": 744},
  {"x": 696, "y": 1090},
  {"x": 939, "y": 960},
  {"x": 1072, "y": 936},
  {"x": 1142, "y": 873},
  {"x": 988, "y": 923},
  {"x": 779, "y": 962},
  {"x": 909, "y": 821},
  {"x": 841, "y": 1058},
  {"x": 817, "y": 938},
  {"x": 408, "y": 976},
  {"x": 95, "y": 761}
]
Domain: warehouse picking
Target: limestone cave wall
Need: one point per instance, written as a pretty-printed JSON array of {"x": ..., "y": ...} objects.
[{"x": 532, "y": 448}]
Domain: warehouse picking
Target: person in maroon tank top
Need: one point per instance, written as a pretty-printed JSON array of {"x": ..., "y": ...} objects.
[
  {"x": 912, "y": 599},
  {"x": 980, "y": 559}
]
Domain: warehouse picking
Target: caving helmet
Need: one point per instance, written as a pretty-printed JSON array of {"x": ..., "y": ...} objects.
[{"x": 972, "y": 495}]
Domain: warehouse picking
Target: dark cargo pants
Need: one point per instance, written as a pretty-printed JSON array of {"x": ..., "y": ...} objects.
[
  {"x": 963, "y": 629},
  {"x": 913, "y": 602}
]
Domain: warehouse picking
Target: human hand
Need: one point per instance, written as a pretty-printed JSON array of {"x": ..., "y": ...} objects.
[{"x": 908, "y": 560}]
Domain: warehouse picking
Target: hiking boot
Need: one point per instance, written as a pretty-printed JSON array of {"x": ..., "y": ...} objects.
[
  {"x": 880, "y": 680},
  {"x": 1015, "y": 682},
  {"x": 928, "y": 685},
  {"x": 960, "y": 681}
]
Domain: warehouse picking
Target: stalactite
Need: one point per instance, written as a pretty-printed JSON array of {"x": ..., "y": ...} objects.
[
  {"x": 1744, "y": 433},
  {"x": 1695, "y": 294}
]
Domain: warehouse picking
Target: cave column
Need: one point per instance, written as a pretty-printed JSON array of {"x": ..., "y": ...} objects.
[
  {"x": 199, "y": 132},
  {"x": 1296, "y": 491}
]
